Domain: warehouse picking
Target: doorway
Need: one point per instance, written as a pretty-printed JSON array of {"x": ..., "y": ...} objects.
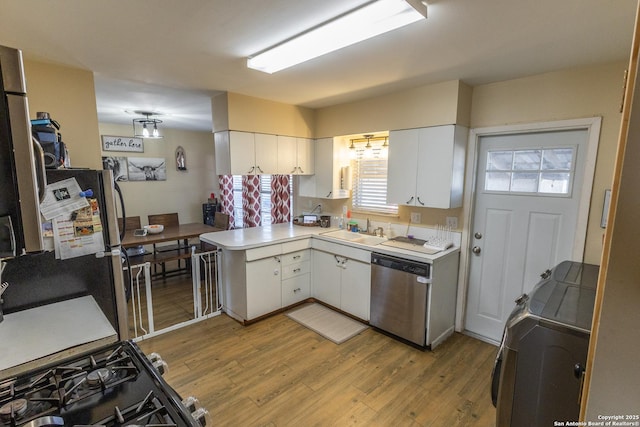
[{"x": 528, "y": 208}]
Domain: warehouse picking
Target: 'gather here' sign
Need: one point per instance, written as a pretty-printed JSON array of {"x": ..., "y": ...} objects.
[{"x": 122, "y": 143}]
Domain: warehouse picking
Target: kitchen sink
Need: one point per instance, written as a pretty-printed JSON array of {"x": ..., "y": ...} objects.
[{"x": 365, "y": 239}]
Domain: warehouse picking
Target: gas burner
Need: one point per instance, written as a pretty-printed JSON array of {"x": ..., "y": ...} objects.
[
  {"x": 14, "y": 409},
  {"x": 99, "y": 377},
  {"x": 149, "y": 411}
]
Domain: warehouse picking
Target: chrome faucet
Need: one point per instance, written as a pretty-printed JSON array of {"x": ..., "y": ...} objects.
[
  {"x": 379, "y": 229},
  {"x": 368, "y": 225}
]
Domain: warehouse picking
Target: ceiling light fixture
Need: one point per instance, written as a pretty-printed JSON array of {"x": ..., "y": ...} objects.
[
  {"x": 141, "y": 126},
  {"x": 367, "y": 21}
]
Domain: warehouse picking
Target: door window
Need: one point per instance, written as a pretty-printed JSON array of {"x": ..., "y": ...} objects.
[{"x": 543, "y": 171}]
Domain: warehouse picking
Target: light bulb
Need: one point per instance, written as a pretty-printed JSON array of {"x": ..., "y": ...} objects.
[
  {"x": 145, "y": 131},
  {"x": 155, "y": 131}
]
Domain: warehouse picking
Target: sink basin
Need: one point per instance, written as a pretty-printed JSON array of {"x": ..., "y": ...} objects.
[{"x": 365, "y": 239}]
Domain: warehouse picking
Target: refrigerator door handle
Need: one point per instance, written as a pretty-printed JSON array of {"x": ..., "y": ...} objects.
[{"x": 41, "y": 175}]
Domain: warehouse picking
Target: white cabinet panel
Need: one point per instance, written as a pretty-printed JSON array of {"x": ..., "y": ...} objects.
[
  {"x": 326, "y": 278},
  {"x": 263, "y": 287},
  {"x": 426, "y": 166},
  {"x": 355, "y": 291},
  {"x": 296, "y": 289},
  {"x": 330, "y": 180},
  {"x": 295, "y": 155},
  {"x": 245, "y": 153}
]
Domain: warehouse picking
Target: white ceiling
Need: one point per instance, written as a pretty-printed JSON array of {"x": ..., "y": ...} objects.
[{"x": 170, "y": 56}]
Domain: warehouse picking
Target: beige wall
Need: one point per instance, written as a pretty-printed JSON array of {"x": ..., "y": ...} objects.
[
  {"x": 183, "y": 191},
  {"x": 437, "y": 104},
  {"x": 232, "y": 111},
  {"x": 68, "y": 94},
  {"x": 570, "y": 94}
]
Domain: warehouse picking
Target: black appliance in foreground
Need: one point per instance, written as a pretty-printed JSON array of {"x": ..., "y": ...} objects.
[
  {"x": 538, "y": 374},
  {"x": 114, "y": 386}
]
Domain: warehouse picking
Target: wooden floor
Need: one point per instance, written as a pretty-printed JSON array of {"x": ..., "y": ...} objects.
[{"x": 278, "y": 373}]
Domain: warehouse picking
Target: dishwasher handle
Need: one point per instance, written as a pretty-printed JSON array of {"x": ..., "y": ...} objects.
[{"x": 400, "y": 264}]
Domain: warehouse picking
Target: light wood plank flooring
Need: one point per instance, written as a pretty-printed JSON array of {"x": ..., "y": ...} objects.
[{"x": 278, "y": 373}]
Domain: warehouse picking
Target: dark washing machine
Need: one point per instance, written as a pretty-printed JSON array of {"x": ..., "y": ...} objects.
[{"x": 539, "y": 367}]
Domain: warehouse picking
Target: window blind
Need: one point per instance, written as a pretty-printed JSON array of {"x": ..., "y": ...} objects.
[{"x": 370, "y": 183}]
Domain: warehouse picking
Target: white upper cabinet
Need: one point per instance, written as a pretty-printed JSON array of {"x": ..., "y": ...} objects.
[
  {"x": 331, "y": 178},
  {"x": 295, "y": 156},
  {"x": 245, "y": 153},
  {"x": 426, "y": 166}
]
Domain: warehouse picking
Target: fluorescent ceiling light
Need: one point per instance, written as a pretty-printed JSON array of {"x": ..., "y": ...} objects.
[{"x": 370, "y": 20}]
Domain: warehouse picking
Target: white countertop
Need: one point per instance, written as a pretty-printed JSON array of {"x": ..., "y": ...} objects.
[
  {"x": 247, "y": 238},
  {"x": 29, "y": 335}
]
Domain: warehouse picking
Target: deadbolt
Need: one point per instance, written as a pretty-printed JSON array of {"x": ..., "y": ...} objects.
[
  {"x": 478, "y": 235},
  {"x": 476, "y": 250}
]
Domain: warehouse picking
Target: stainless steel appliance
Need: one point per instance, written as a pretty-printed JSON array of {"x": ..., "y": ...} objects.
[
  {"x": 67, "y": 373},
  {"x": 114, "y": 386},
  {"x": 22, "y": 179},
  {"x": 399, "y": 297},
  {"x": 538, "y": 372}
]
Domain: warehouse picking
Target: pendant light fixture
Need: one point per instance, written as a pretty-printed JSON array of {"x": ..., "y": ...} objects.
[{"x": 146, "y": 127}]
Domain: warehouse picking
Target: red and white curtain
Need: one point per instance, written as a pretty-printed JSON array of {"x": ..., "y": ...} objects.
[
  {"x": 226, "y": 197},
  {"x": 280, "y": 199},
  {"x": 251, "y": 201}
]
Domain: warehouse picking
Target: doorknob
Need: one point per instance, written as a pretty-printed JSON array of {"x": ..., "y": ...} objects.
[
  {"x": 476, "y": 250},
  {"x": 478, "y": 235}
]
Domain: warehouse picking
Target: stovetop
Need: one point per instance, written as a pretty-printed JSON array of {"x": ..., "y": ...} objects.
[{"x": 114, "y": 386}]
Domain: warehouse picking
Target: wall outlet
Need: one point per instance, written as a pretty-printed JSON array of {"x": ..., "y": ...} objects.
[
  {"x": 344, "y": 210},
  {"x": 452, "y": 222},
  {"x": 416, "y": 217}
]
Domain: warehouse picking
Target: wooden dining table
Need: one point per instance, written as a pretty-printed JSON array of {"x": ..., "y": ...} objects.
[{"x": 170, "y": 233}]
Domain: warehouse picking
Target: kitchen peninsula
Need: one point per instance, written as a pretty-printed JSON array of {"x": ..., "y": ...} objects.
[{"x": 265, "y": 270}]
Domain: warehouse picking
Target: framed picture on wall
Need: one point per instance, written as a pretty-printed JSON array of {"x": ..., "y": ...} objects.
[
  {"x": 122, "y": 143},
  {"x": 118, "y": 165},
  {"x": 147, "y": 169}
]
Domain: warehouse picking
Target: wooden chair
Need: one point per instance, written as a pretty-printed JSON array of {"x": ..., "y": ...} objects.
[
  {"x": 221, "y": 220},
  {"x": 168, "y": 220},
  {"x": 131, "y": 223}
]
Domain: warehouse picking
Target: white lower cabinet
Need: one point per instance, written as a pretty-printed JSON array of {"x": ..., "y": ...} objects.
[
  {"x": 263, "y": 286},
  {"x": 342, "y": 282}
]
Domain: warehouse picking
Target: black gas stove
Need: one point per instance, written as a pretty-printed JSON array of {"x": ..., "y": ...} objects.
[{"x": 114, "y": 386}]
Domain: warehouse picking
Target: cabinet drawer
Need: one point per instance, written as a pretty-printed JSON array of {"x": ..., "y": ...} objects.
[
  {"x": 295, "y": 257},
  {"x": 296, "y": 245},
  {"x": 295, "y": 269},
  {"x": 263, "y": 252},
  {"x": 296, "y": 289}
]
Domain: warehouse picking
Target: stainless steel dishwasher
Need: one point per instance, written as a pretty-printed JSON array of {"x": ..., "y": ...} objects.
[{"x": 399, "y": 297}]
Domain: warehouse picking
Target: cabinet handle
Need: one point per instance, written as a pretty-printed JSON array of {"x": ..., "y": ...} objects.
[
  {"x": 259, "y": 169},
  {"x": 277, "y": 258},
  {"x": 296, "y": 270},
  {"x": 329, "y": 194},
  {"x": 293, "y": 171},
  {"x": 296, "y": 257},
  {"x": 300, "y": 169},
  {"x": 251, "y": 170},
  {"x": 420, "y": 201},
  {"x": 296, "y": 290},
  {"x": 409, "y": 201}
]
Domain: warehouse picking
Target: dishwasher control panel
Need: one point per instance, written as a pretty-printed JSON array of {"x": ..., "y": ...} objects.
[{"x": 407, "y": 266}]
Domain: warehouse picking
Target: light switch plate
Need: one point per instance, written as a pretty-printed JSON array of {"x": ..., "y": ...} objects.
[{"x": 416, "y": 217}]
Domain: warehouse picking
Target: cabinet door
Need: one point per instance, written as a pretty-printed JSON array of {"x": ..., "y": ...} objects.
[
  {"x": 264, "y": 293},
  {"x": 242, "y": 153},
  {"x": 402, "y": 166},
  {"x": 287, "y": 152},
  {"x": 223, "y": 161},
  {"x": 305, "y": 156},
  {"x": 440, "y": 174},
  {"x": 326, "y": 278},
  {"x": 266, "y": 154},
  {"x": 355, "y": 292}
]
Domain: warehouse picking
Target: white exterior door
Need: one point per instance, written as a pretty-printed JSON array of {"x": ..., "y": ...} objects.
[{"x": 527, "y": 198}]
